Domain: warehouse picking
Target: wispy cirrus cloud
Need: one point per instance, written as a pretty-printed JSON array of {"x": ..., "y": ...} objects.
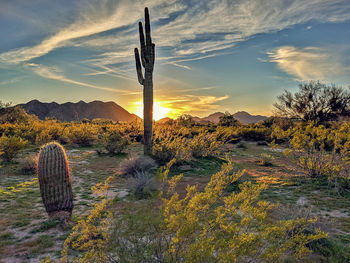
[
  {"x": 9, "y": 81},
  {"x": 107, "y": 15},
  {"x": 309, "y": 63},
  {"x": 57, "y": 74},
  {"x": 198, "y": 28},
  {"x": 206, "y": 28}
]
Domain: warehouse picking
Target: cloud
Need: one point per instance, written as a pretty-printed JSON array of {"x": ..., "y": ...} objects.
[
  {"x": 56, "y": 74},
  {"x": 105, "y": 16},
  {"x": 189, "y": 28},
  {"x": 183, "y": 31},
  {"x": 10, "y": 81},
  {"x": 192, "y": 104},
  {"x": 309, "y": 63},
  {"x": 205, "y": 29}
]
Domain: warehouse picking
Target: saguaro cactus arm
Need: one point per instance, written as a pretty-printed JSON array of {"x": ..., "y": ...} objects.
[
  {"x": 147, "y": 49},
  {"x": 138, "y": 67}
]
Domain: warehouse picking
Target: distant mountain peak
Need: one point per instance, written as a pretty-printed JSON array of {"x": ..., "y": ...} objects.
[
  {"x": 242, "y": 116},
  {"x": 164, "y": 120},
  {"x": 71, "y": 111}
]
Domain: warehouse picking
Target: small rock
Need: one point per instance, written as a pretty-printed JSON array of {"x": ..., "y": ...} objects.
[
  {"x": 301, "y": 201},
  {"x": 122, "y": 193}
]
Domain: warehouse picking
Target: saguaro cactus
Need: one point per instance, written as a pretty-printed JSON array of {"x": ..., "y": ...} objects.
[
  {"x": 147, "y": 59},
  {"x": 55, "y": 182}
]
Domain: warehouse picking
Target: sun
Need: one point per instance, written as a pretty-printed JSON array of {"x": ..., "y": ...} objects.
[{"x": 159, "y": 110}]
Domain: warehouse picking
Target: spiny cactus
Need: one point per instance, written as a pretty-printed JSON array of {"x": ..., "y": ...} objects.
[
  {"x": 147, "y": 59},
  {"x": 55, "y": 182}
]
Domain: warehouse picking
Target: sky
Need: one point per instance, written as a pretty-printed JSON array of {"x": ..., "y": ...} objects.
[{"x": 211, "y": 55}]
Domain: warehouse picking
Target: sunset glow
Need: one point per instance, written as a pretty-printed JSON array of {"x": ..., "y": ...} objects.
[{"x": 159, "y": 110}]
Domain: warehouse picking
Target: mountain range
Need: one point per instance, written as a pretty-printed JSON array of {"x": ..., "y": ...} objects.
[
  {"x": 110, "y": 110},
  {"x": 77, "y": 111},
  {"x": 242, "y": 116}
]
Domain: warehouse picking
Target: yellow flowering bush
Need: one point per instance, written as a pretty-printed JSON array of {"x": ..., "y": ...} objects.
[
  {"x": 204, "y": 144},
  {"x": 10, "y": 146},
  {"x": 213, "y": 226},
  {"x": 167, "y": 147},
  {"x": 90, "y": 236},
  {"x": 83, "y": 134},
  {"x": 203, "y": 226},
  {"x": 322, "y": 151}
]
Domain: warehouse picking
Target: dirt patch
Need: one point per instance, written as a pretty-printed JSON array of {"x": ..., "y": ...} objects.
[
  {"x": 335, "y": 213},
  {"x": 200, "y": 182}
]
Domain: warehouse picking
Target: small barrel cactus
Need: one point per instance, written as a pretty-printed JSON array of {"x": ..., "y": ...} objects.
[{"x": 55, "y": 182}]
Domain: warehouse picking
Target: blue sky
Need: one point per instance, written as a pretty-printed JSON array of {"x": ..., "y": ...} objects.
[{"x": 210, "y": 55}]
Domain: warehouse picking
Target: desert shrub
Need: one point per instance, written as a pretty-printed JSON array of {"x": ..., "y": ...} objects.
[
  {"x": 91, "y": 235},
  {"x": 208, "y": 226},
  {"x": 204, "y": 144},
  {"x": 167, "y": 147},
  {"x": 15, "y": 114},
  {"x": 115, "y": 143},
  {"x": 254, "y": 133},
  {"x": 138, "y": 164},
  {"x": 28, "y": 164},
  {"x": 10, "y": 146},
  {"x": 265, "y": 159},
  {"x": 143, "y": 185},
  {"x": 330, "y": 250},
  {"x": 138, "y": 234},
  {"x": 315, "y": 101},
  {"x": 186, "y": 120},
  {"x": 203, "y": 226},
  {"x": 100, "y": 121},
  {"x": 242, "y": 145},
  {"x": 134, "y": 131},
  {"x": 228, "y": 120},
  {"x": 322, "y": 152},
  {"x": 82, "y": 134},
  {"x": 274, "y": 121},
  {"x": 50, "y": 130},
  {"x": 226, "y": 134}
]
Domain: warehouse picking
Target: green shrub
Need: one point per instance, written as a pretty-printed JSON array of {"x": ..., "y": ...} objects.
[
  {"x": 209, "y": 226},
  {"x": 242, "y": 145},
  {"x": 228, "y": 120},
  {"x": 254, "y": 133},
  {"x": 202, "y": 226},
  {"x": 143, "y": 185},
  {"x": 203, "y": 145},
  {"x": 28, "y": 164},
  {"x": 10, "y": 146},
  {"x": 115, "y": 143},
  {"x": 322, "y": 152},
  {"x": 82, "y": 134},
  {"x": 266, "y": 159},
  {"x": 167, "y": 147},
  {"x": 134, "y": 165}
]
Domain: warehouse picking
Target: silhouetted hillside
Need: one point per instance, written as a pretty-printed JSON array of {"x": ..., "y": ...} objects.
[
  {"x": 245, "y": 117},
  {"x": 77, "y": 111},
  {"x": 242, "y": 116}
]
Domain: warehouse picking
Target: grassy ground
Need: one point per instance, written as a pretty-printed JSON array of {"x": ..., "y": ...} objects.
[{"x": 27, "y": 235}]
